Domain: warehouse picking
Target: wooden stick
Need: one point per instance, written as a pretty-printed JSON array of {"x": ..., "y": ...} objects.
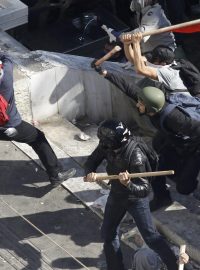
[
  {"x": 170, "y": 28},
  {"x": 108, "y": 55},
  {"x": 182, "y": 250},
  {"x": 134, "y": 175}
]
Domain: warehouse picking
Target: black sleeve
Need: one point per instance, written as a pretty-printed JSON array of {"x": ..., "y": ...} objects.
[
  {"x": 140, "y": 187},
  {"x": 126, "y": 85},
  {"x": 94, "y": 160},
  {"x": 180, "y": 123}
]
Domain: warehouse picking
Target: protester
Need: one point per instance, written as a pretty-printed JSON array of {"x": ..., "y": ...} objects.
[
  {"x": 162, "y": 73},
  {"x": 177, "y": 141},
  {"x": 146, "y": 259},
  {"x": 125, "y": 152},
  {"x": 13, "y": 128},
  {"x": 151, "y": 17}
]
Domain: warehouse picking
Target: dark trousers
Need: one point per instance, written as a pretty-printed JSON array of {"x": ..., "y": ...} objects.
[
  {"x": 139, "y": 209},
  {"x": 26, "y": 133},
  {"x": 186, "y": 167}
]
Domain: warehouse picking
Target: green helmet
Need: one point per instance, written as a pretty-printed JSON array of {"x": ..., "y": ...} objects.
[{"x": 153, "y": 98}]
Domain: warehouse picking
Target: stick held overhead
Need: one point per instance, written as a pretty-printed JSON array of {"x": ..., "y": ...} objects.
[
  {"x": 176, "y": 28},
  {"x": 108, "y": 55}
]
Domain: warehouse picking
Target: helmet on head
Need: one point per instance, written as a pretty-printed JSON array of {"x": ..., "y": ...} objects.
[
  {"x": 161, "y": 54},
  {"x": 153, "y": 99},
  {"x": 138, "y": 5},
  {"x": 113, "y": 134}
]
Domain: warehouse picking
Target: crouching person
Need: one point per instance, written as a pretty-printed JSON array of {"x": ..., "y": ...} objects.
[
  {"x": 124, "y": 152},
  {"x": 147, "y": 259}
]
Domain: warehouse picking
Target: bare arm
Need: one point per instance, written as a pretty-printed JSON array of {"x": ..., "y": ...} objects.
[
  {"x": 140, "y": 65},
  {"x": 128, "y": 49}
]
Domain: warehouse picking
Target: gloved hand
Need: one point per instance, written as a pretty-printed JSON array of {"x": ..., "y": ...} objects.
[{"x": 97, "y": 68}]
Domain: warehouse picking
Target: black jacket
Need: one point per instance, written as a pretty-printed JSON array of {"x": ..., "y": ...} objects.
[
  {"x": 117, "y": 161},
  {"x": 177, "y": 125}
]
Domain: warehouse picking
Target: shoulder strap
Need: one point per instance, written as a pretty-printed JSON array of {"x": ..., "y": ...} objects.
[
  {"x": 131, "y": 146},
  {"x": 164, "y": 113}
]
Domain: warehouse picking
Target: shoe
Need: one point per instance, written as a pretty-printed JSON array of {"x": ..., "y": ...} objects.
[
  {"x": 158, "y": 203},
  {"x": 61, "y": 177}
]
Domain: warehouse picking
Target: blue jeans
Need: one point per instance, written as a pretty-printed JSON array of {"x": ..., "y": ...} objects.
[{"x": 139, "y": 209}]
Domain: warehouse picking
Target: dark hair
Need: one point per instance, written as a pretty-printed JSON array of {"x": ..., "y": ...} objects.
[{"x": 162, "y": 53}]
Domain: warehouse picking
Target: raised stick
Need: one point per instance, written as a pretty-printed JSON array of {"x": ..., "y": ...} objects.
[
  {"x": 182, "y": 250},
  {"x": 108, "y": 55},
  {"x": 170, "y": 28},
  {"x": 134, "y": 175}
]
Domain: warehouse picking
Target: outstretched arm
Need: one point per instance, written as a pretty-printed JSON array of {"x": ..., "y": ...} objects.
[{"x": 127, "y": 86}]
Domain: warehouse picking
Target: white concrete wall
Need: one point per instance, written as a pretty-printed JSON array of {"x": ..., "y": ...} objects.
[{"x": 67, "y": 85}]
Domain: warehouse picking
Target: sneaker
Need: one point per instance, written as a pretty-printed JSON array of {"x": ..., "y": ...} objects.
[
  {"x": 62, "y": 176},
  {"x": 158, "y": 203}
]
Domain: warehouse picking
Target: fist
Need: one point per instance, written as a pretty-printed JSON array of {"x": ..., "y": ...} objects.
[
  {"x": 124, "y": 178},
  {"x": 91, "y": 177},
  {"x": 126, "y": 38}
]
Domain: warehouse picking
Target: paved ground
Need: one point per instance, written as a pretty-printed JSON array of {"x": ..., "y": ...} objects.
[{"x": 24, "y": 186}]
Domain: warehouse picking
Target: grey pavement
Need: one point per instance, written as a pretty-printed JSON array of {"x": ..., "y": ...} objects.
[
  {"x": 24, "y": 186},
  {"x": 67, "y": 215}
]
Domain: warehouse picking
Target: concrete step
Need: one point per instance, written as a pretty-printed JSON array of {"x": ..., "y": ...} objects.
[
  {"x": 179, "y": 222},
  {"x": 25, "y": 187}
]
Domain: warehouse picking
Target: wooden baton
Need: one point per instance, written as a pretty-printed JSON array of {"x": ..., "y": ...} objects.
[
  {"x": 134, "y": 175},
  {"x": 108, "y": 55},
  {"x": 170, "y": 28}
]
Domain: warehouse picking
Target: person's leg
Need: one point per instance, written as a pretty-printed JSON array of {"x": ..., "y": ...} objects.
[
  {"x": 168, "y": 161},
  {"x": 114, "y": 212},
  {"x": 187, "y": 181},
  {"x": 141, "y": 213},
  {"x": 26, "y": 133}
]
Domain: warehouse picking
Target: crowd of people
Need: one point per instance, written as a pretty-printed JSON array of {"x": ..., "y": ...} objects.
[
  {"x": 164, "y": 97},
  {"x": 167, "y": 99}
]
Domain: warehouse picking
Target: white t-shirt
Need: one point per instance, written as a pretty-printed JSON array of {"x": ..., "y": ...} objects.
[{"x": 170, "y": 78}]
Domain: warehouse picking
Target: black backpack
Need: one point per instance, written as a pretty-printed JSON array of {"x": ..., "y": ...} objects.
[
  {"x": 190, "y": 76},
  {"x": 152, "y": 162}
]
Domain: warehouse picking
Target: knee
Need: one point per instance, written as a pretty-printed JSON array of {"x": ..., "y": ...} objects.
[
  {"x": 41, "y": 135},
  {"x": 153, "y": 240},
  {"x": 186, "y": 189}
]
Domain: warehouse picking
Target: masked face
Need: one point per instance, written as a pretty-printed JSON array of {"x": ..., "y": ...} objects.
[
  {"x": 107, "y": 139},
  {"x": 109, "y": 144}
]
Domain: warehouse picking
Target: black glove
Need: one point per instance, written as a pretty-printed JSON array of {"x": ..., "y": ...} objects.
[{"x": 97, "y": 68}]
